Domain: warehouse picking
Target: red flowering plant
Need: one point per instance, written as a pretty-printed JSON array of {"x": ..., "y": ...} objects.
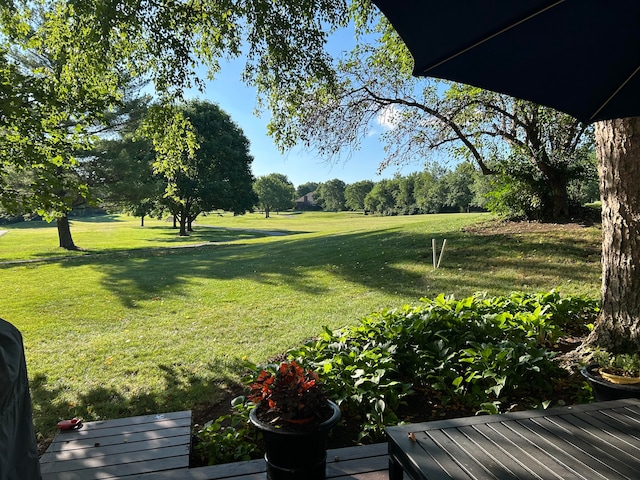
[{"x": 290, "y": 393}]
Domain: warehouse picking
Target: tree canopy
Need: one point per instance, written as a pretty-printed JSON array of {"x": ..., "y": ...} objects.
[
  {"x": 214, "y": 173},
  {"x": 275, "y": 192},
  {"x": 526, "y": 143},
  {"x": 330, "y": 195},
  {"x": 65, "y": 64}
]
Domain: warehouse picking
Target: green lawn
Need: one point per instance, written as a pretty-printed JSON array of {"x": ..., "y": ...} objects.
[{"x": 131, "y": 324}]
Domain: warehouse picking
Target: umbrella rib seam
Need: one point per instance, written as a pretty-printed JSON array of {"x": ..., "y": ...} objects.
[
  {"x": 548, "y": 7},
  {"x": 615, "y": 93}
]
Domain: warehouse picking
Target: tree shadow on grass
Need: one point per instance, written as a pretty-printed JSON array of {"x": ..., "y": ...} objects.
[
  {"x": 291, "y": 261},
  {"x": 393, "y": 260},
  {"x": 502, "y": 263},
  {"x": 378, "y": 260},
  {"x": 183, "y": 391}
]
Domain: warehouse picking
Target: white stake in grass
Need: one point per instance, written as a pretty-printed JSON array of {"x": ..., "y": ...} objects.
[{"x": 435, "y": 252}]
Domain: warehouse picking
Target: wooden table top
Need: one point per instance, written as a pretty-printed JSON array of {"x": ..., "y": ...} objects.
[{"x": 597, "y": 441}]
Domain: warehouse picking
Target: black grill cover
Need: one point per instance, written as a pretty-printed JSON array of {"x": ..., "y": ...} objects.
[{"x": 18, "y": 448}]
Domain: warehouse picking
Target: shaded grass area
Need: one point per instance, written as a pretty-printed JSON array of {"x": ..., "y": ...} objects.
[{"x": 125, "y": 330}]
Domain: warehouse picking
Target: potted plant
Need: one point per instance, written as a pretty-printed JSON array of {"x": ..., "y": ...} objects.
[
  {"x": 295, "y": 417},
  {"x": 613, "y": 376}
]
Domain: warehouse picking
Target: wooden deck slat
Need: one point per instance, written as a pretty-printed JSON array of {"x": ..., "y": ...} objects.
[
  {"x": 127, "y": 421},
  {"x": 91, "y": 432},
  {"x": 120, "y": 448},
  {"x": 124, "y": 470},
  {"x": 352, "y": 467},
  {"x": 362, "y": 462},
  {"x": 101, "y": 461},
  {"x": 88, "y": 443}
]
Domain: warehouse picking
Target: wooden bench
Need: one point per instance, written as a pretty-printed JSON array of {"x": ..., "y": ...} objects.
[
  {"x": 590, "y": 441},
  {"x": 120, "y": 448}
]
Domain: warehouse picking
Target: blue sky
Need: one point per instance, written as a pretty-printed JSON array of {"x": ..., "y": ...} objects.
[{"x": 300, "y": 166}]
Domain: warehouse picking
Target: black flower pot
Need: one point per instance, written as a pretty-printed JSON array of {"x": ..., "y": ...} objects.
[
  {"x": 604, "y": 390},
  {"x": 297, "y": 453}
]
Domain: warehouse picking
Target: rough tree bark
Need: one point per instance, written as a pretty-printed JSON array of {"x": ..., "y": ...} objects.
[
  {"x": 618, "y": 148},
  {"x": 64, "y": 234},
  {"x": 182, "y": 220},
  {"x": 559, "y": 196}
]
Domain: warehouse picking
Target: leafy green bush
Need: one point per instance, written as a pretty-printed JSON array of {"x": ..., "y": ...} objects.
[
  {"x": 479, "y": 352},
  {"x": 359, "y": 370},
  {"x": 229, "y": 438},
  {"x": 476, "y": 351}
]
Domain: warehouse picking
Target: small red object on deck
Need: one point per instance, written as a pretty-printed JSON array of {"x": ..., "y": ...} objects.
[{"x": 69, "y": 424}]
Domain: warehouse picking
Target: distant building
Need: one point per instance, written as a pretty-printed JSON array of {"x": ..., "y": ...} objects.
[{"x": 306, "y": 202}]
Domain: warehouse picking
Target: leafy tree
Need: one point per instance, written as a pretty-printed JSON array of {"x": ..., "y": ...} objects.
[
  {"x": 275, "y": 192},
  {"x": 330, "y": 195},
  {"x": 403, "y": 194},
  {"x": 380, "y": 199},
  {"x": 428, "y": 193},
  {"x": 425, "y": 117},
  {"x": 355, "y": 193},
  {"x": 122, "y": 177},
  {"x": 90, "y": 46},
  {"x": 119, "y": 170},
  {"x": 458, "y": 185},
  {"x": 46, "y": 124},
  {"x": 587, "y": 190},
  {"x": 211, "y": 170}
]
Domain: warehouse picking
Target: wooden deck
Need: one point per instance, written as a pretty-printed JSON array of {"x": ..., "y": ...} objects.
[
  {"x": 591, "y": 441},
  {"x": 353, "y": 463},
  {"x": 156, "y": 447},
  {"x": 121, "y": 448}
]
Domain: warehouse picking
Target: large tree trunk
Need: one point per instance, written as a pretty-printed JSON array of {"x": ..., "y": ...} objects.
[
  {"x": 559, "y": 196},
  {"x": 618, "y": 148},
  {"x": 182, "y": 220},
  {"x": 64, "y": 234}
]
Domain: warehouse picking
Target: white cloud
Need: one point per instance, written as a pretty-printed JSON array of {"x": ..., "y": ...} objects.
[{"x": 389, "y": 117}]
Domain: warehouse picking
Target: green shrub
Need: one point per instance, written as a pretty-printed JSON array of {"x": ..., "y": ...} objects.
[
  {"x": 476, "y": 351},
  {"x": 229, "y": 438},
  {"x": 479, "y": 352}
]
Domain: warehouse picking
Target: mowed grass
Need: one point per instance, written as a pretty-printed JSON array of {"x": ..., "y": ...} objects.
[{"x": 131, "y": 324}]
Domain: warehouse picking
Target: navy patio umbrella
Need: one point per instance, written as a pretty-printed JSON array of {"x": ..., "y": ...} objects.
[{"x": 581, "y": 57}]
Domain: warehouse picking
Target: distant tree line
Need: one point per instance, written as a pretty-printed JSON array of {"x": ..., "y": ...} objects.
[{"x": 461, "y": 189}]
